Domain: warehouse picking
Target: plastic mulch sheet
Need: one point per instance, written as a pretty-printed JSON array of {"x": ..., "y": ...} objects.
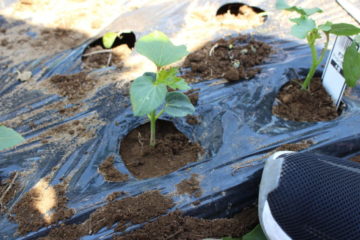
[{"x": 237, "y": 128}]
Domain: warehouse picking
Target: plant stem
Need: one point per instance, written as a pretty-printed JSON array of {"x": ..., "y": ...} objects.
[
  {"x": 315, "y": 62},
  {"x": 152, "y": 117}
]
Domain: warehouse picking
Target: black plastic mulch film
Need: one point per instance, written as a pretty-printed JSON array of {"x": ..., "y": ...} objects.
[{"x": 237, "y": 126}]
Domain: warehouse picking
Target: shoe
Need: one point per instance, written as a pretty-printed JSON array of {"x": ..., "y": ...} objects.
[{"x": 304, "y": 196}]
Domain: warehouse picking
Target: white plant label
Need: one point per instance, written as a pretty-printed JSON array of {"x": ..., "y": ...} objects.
[{"x": 333, "y": 78}]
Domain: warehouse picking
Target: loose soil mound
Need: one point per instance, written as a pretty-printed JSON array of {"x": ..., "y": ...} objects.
[
  {"x": 133, "y": 210},
  {"x": 233, "y": 59},
  {"x": 43, "y": 205},
  {"x": 305, "y": 106},
  {"x": 110, "y": 173},
  {"x": 172, "y": 151},
  {"x": 175, "y": 226},
  {"x": 190, "y": 186}
]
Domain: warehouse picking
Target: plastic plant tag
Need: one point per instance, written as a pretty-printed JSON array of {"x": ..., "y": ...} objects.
[{"x": 333, "y": 75}]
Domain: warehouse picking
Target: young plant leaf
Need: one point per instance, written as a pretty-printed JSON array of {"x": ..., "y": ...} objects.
[
  {"x": 256, "y": 234},
  {"x": 145, "y": 95},
  {"x": 178, "y": 104},
  {"x": 326, "y": 27},
  {"x": 169, "y": 78},
  {"x": 344, "y": 29},
  {"x": 108, "y": 39},
  {"x": 9, "y": 138},
  {"x": 159, "y": 49},
  {"x": 302, "y": 27},
  {"x": 351, "y": 65},
  {"x": 281, "y": 5}
]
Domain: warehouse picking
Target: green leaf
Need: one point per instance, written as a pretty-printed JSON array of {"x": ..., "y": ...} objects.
[
  {"x": 158, "y": 48},
  {"x": 351, "y": 65},
  {"x": 302, "y": 27},
  {"x": 344, "y": 29},
  {"x": 256, "y": 234},
  {"x": 326, "y": 27},
  {"x": 145, "y": 95},
  {"x": 9, "y": 138},
  {"x": 178, "y": 104},
  {"x": 169, "y": 78},
  {"x": 281, "y": 4},
  {"x": 305, "y": 12},
  {"x": 108, "y": 39}
]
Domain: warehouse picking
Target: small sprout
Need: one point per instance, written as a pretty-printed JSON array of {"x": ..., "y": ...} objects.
[
  {"x": 253, "y": 49},
  {"x": 231, "y": 46},
  {"x": 149, "y": 93},
  {"x": 244, "y": 51},
  {"x": 305, "y": 27},
  {"x": 236, "y": 63},
  {"x": 23, "y": 76}
]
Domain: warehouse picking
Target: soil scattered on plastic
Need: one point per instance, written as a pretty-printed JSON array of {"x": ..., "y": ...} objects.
[
  {"x": 173, "y": 150},
  {"x": 111, "y": 197},
  {"x": 42, "y": 206},
  {"x": 192, "y": 120},
  {"x": 8, "y": 189},
  {"x": 136, "y": 210},
  {"x": 193, "y": 95},
  {"x": 75, "y": 87},
  {"x": 356, "y": 159},
  {"x": 110, "y": 173},
  {"x": 97, "y": 57},
  {"x": 190, "y": 186},
  {"x": 294, "y": 146},
  {"x": 233, "y": 59},
  {"x": 175, "y": 226},
  {"x": 296, "y": 104}
]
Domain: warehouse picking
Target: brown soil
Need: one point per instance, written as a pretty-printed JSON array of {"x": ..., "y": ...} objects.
[
  {"x": 98, "y": 57},
  {"x": 111, "y": 197},
  {"x": 294, "y": 146},
  {"x": 305, "y": 106},
  {"x": 173, "y": 150},
  {"x": 190, "y": 186},
  {"x": 192, "y": 120},
  {"x": 110, "y": 173},
  {"x": 136, "y": 210},
  {"x": 356, "y": 159},
  {"x": 176, "y": 226},
  {"x": 193, "y": 96},
  {"x": 75, "y": 86},
  {"x": 8, "y": 189},
  {"x": 43, "y": 205},
  {"x": 233, "y": 59}
]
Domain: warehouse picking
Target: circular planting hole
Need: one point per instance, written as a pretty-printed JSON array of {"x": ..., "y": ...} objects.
[
  {"x": 313, "y": 105},
  {"x": 242, "y": 11},
  {"x": 172, "y": 151},
  {"x": 97, "y": 56}
]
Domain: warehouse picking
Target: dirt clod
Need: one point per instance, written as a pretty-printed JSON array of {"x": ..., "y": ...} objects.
[
  {"x": 172, "y": 151},
  {"x": 190, "y": 186},
  {"x": 305, "y": 106},
  {"x": 110, "y": 173},
  {"x": 233, "y": 59}
]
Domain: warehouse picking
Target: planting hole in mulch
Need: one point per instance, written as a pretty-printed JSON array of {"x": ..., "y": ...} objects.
[
  {"x": 110, "y": 173},
  {"x": 97, "y": 56},
  {"x": 242, "y": 11},
  {"x": 173, "y": 150},
  {"x": 42, "y": 206},
  {"x": 174, "y": 226},
  {"x": 233, "y": 59},
  {"x": 190, "y": 186},
  {"x": 293, "y": 103}
]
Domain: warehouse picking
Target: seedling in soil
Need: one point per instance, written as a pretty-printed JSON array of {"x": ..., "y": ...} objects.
[
  {"x": 9, "y": 138},
  {"x": 149, "y": 93},
  {"x": 305, "y": 27}
]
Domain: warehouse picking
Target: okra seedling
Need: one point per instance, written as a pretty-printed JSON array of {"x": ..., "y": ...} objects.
[
  {"x": 9, "y": 138},
  {"x": 305, "y": 27},
  {"x": 149, "y": 93}
]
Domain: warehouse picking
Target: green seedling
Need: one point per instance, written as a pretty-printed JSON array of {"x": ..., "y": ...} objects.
[
  {"x": 9, "y": 138},
  {"x": 149, "y": 93},
  {"x": 108, "y": 40},
  {"x": 305, "y": 27}
]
